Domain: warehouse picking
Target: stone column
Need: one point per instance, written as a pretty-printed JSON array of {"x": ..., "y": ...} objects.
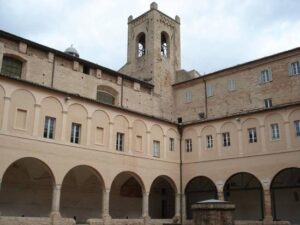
[
  {"x": 213, "y": 212},
  {"x": 105, "y": 203},
  {"x": 130, "y": 139},
  {"x": 177, "y": 206},
  {"x": 111, "y": 136},
  {"x": 6, "y": 108},
  {"x": 220, "y": 186},
  {"x": 64, "y": 125},
  {"x": 145, "y": 204},
  {"x": 267, "y": 207},
  {"x": 56, "y": 200},
  {"x": 183, "y": 207},
  {"x": 0, "y": 192},
  {"x": 149, "y": 143},
  {"x": 88, "y": 130},
  {"x": 37, "y": 109}
]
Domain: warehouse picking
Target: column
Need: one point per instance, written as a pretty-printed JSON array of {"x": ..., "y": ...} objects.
[
  {"x": 177, "y": 205},
  {"x": 88, "y": 130},
  {"x": 105, "y": 204},
  {"x": 111, "y": 135},
  {"x": 130, "y": 139},
  {"x": 6, "y": 108},
  {"x": 221, "y": 195},
  {"x": 145, "y": 204},
  {"x": 56, "y": 199},
  {"x": 220, "y": 186},
  {"x": 262, "y": 137},
  {"x": 287, "y": 135},
  {"x": 240, "y": 140},
  {"x": 149, "y": 143},
  {"x": 64, "y": 125},
  {"x": 37, "y": 109},
  {"x": 267, "y": 206},
  {"x": 183, "y": 207}
]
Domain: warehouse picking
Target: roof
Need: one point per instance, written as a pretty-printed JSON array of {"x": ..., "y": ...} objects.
[{"x": 13, "y": 37}]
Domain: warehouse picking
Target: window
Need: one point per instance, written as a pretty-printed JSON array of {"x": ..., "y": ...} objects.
[
  {"x": 265, "y": 76},
  {"x": 209, "y": 90},
  {"x": 188, "y": 145},
  {"x": 226, "y": 139},
  {"x": 156, "y": 149},
  {"x": 86, "y": 69},
  {"x": 188, "y": 97},
  {"x": 11, "y": 67},
  {"x": 252, "y": 135},
  {"x": 120, "y": 142},
  {"x": 21, "y": 118},
  {"x": 164, "y": 45},
  {"x": 268, "y": 103},
  {"x": 141, "y": 45},
  {"x": 231, "y": 85},
  {"x": 171, "y": 144},
  {"x": 210, "y": 141},
  {"x": 294, "y": 68},
  {"x": 75, "y": 133},
  {"x": 297, "y": 127},
  {"x": 105, "y": 97},
  {"x": 99, "y": 135},
  {"x": 49, "y": 127},
  {"x": 275, "y": 131}
]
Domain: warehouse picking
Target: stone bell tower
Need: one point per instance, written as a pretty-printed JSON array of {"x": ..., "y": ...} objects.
[{"x": 153, "y": 53}]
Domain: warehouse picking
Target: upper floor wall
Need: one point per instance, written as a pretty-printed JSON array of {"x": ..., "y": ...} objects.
[{"x": 266, "y": 82}]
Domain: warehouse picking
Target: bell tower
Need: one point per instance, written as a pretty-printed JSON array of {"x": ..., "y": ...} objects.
[{"x": 153, "y": 53}]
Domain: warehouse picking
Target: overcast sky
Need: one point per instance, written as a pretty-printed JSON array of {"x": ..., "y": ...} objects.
[{"x": 215, "y": 34}]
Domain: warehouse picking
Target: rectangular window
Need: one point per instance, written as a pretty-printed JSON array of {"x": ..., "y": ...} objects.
[
  {"x": 297, "y": 127},
  {"x": 252, "y": 135},
  {"x": 268, "y": 103},
  {"x": 210, "y": 141},
  {"x": 99, "y": 135},
  {"x": 188, "y": 97},
  {"x": 209, "y": 90},
  {"x": 49, "y": 127},
  {"x": 226, "y": 139},
  {"x": 188, "y": 145},
  {"x": 120, "y": 142},
  {"x": 156, "y": 149},
  {"x": 139, "y": 142},
  {"x": 231, "y": 85},
  {"x": 265, "y": 76},
  {"x": 275, "y": 131},
  {"x": 75, "y": 133},
  {"x": 21, "y": 118},
  {"x": 294, "y": 68},
  {"x": 171, "y": 143}
]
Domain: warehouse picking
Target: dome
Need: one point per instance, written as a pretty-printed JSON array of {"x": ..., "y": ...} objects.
[{"x": 72, "y": 51}]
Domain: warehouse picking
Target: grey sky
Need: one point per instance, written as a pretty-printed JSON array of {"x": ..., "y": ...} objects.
[{"x": 215, "y": 34}]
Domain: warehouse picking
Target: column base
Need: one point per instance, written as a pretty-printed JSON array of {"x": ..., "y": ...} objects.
[
  {"x": 146, "y": 220},
  {"x": 107, "y": 219},
  {"x": 268, "y": 220},
  {"x": 176, "y": 219},
  {"x": 55, "y": 215}
]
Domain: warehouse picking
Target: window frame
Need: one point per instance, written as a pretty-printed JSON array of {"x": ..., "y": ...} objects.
[
  {"x": 7, "y": 67},
  {"x": 226, "y": 139},
  {"x": 156, "y": 149},
  {"x": 188, "y": 145},
  {"x": 171, "y": 144},
  {"x": 275, "y": 132},
  {"x": 75, "y": 133},
  {"x": 209, "y": 90},
  {"x": 188, "y": 97},
  {"x": 297, "y": 128},
  {"x": 49, "y": 130},
  {"x": 265, "y": 76},
  {"x": 294, "y": 70},
  {"x": 120, "y": 139},
  {"x": 268, "y": 103},
  {"x": 231, "y": 85},
  {"x": 252, "y": 135}
]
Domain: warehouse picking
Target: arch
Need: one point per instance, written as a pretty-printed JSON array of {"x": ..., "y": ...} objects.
[
  {"x": 25, "y": 91},
  {"x": 285, "y": 195},
  {"x": 246, "y": 192},
  {"x": 207, "y": 127},
  {"x": 164, "y": 44},
  {"x": 78, "y": 106},
  {"x": 126, "y": 193},
  {"x": 81, "y": 193},
  {"x": 26, "y": 188},
  {"x": 141, "y": 44},
  {"x": 199, "y": 189},
  {"x": 12, "y": 65},
  {"x": 3, "y": 90},
  {"x": 104, "y": 113},
  {"x": 106, "y": 94},
  {"x": 162, "y": 198}
]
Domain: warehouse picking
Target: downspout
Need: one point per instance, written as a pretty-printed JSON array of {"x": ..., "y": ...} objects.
[
  {"x": 205, "y": 94},
  {"x": 53, "y": 71},
  {"x": 180, "y": 172},
  {"x": 122, "y": 83}
]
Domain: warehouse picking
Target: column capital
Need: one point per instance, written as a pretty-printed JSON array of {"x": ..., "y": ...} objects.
[
  {"x": 37, "y": 105},
  {"x": 111, "y": 123},
  {"x": 65, "y": 112},
  {"x": 7, "y": 98},
  {"x": 89, "y": 117}
]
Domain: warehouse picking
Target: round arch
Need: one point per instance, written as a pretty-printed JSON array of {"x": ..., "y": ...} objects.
[
  {"x": 125, "y": 197},
  {"x": 81, "y": 193},
  {"x": 285, "y": 194},
  {"x": 199, "y": 189},
  {"x": 162, "y": 198},
  {"x": 26, "y": 188},
  {"x": 246, "y": 192}
]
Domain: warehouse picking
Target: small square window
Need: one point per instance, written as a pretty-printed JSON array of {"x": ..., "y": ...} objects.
[
  {"x": 231, "y": 85},
  {"x": 86, "y": 69},
  {"x": 294, "y": 68},
  {"x": 265, "y": 76},
  {"x": 268, "y": 103}
]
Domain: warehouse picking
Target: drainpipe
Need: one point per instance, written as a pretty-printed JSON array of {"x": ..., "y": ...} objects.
[
  {"x": 122, "y": 91},
  {"x": 205, "y": 94},
  {"x": 53, "y": 71},
  {"x": 180, "y": 171}
]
